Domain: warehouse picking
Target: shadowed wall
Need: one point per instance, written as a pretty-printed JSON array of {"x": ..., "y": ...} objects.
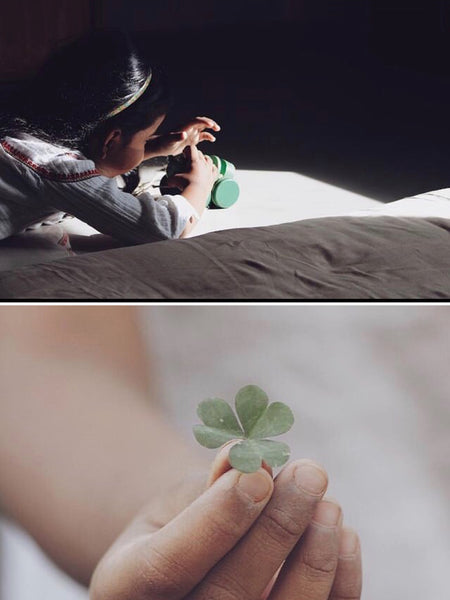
[{"x": 28, "y": 30}]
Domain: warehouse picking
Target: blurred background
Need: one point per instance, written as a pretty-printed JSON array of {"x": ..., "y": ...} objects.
[
  {"x": 370, "y": 391},
  {"x": 351, "y": 92}
]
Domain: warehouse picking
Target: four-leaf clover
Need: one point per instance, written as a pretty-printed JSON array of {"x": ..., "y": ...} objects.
[{"x": 258, "y": 420}]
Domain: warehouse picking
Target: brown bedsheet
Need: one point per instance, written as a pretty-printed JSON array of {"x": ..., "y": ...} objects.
[{"x": 339, "y": 258}]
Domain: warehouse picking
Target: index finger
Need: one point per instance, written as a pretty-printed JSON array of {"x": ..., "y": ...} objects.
[
  {"x": 172, "y": 561},
  {"x": 210, "y": 122}
]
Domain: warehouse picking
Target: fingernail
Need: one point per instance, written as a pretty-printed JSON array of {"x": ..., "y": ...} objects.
[
  {"x": 255, "y": 485},
  {"x": 333, "y": 500},
  {"x": 327, "y": 513},
  {"x": 311, "y": 479},
  {"x": 349, "y": 543}
]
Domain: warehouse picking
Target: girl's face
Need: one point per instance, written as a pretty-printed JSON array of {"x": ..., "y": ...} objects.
[{"x": 118, "y": 157}]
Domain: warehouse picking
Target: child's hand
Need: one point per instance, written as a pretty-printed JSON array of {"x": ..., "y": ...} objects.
[
  {"x": 201, "y": 172},
  {"x": 232, "y": 541},
  {"x": 190, "y": 134}
]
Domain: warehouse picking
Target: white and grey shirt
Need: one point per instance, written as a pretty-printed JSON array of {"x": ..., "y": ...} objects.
[{"x": 38, "y": 179}]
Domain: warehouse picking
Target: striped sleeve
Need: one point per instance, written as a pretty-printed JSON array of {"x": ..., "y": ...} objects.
[{"x": 132, "y": 219}]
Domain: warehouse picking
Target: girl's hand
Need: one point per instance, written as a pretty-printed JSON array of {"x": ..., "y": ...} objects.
[
  {"x": 244, "y": 537},
  {"x": 190, "y": 134},
  {"x": 201, "y": 172}
]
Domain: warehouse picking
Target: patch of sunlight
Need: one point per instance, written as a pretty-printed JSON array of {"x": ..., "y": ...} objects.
[{"x": 274, "y": 197}]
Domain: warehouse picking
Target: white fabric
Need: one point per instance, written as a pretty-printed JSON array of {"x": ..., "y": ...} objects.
[
  {"x": 27, "y": 574},
  {"x": 40, "y": 245},
  {"x": 272, "y": 197},
  {"x": 267, "y": 198},
  {"x": 185, "y": 208},
  {"x": 430, "y": 204}
]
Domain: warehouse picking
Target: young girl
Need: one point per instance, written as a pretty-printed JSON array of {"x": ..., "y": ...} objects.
[{"x": 91, "y": 114}]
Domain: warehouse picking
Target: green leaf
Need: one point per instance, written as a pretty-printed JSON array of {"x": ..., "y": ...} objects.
[
  {"x": 275, "y": 420},
  {"x": 218, "y": 414},
  {"x": 245, "y": 457},
  {"x": 274, "y": 453},
  {"x": 259, "y": 420},
  {"x": 211, "y": 437},
  {"x": 251, "y": 402}
]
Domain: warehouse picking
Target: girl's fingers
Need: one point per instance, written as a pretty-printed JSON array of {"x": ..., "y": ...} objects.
[
  {"x": 210, "y": 123},
  {"x": 200, "y": 123},
  {"x": 310, "y": 569},
  {"x": 209, "y": 162},
  {"x": 191, "y": 152},
  {"x": 172, "y": 561},
  {"x": 221, "y": 463},
  {"x": 195, "y": 152},
  {"x": 248, "y": 568},
  {"x": 195, "y": 131},
  {"x": 348, "y": 581},
  {"x": 215, "y": 172},
  {"x": 206, "y": 137}
]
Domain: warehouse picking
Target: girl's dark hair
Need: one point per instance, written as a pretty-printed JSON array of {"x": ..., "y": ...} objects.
[{"x": 66, "y": 102}]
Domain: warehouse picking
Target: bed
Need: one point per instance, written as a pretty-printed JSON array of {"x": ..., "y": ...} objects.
[{"x": 352, "y": 248}]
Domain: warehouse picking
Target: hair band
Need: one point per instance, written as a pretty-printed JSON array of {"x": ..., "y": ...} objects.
[{"x": 131, "y": 100}]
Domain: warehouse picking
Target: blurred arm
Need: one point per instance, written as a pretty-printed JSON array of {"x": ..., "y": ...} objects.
[{"x": 82, "y": 446}]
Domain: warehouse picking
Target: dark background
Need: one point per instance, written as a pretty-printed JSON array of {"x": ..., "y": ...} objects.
[{"x": 352, "y": 92}]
